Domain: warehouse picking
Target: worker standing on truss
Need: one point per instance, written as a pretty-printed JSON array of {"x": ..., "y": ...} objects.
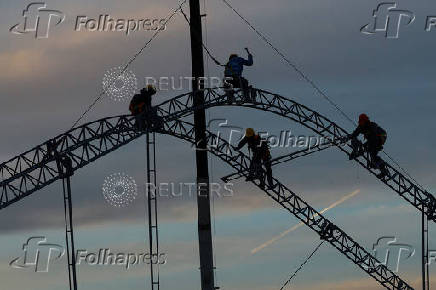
[
  {"x": 261, "y": 156},
  {"x": 140, "y": 106},
  {"x": 233, "y": 71},
  {"x": 375, "y": 139}
]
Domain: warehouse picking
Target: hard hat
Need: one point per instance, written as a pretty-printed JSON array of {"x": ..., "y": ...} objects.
[
  {"x": 249, "y": 132},
  {"x": 232, "y": 56},
  {"x": 150, "y": 88},
  {"x": 363, "y": 119}
]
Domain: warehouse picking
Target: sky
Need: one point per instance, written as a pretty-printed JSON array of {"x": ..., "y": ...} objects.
[{"x": 46, "y": 84}]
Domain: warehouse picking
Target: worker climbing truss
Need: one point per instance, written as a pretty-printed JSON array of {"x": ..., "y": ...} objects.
[
  {"x": 295, "y": 205},
  {"x": 263, "y": 100},
  {"x": 37, "y": 168}
]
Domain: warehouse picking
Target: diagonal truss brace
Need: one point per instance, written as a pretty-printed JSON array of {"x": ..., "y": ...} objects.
[
  {"x": 91, "y": 141},
  {"x": 182, "y": 106},
  {"x": 295, "y": 205},
  {"x": 34, "y": 169},
  {"x": 285, "y": 158}
]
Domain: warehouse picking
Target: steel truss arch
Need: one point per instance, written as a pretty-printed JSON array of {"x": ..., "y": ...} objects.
[
  {"x": 182, "y": 106},
  {"x": 27, "y": 172},
  {"x": 38, "y": 168},
  {"x": 295, "y": 205}
]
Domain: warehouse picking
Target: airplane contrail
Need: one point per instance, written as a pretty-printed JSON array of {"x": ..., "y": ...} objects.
[{"x": 281, "y": 235}]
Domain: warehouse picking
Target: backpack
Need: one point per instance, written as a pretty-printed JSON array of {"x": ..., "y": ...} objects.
[
  {"x": 381, "y": 133},
  {"x": 136, "y": 105}
]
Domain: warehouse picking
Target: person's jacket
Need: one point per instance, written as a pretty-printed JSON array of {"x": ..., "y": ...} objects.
[
  {"x": 371, "y": 131},
  {"x": 255, "y": 144},
  {"x": 140, "y": 102},
  {"x": 235, "y": 66}
]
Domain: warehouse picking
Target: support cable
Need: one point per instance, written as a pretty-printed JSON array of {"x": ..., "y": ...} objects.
[
  {"x": 217, "y": 62},
  {"x": 290, "y": 63},
  {"x": 310, "y": 81},
  {"x": 129, "y": 62},
  {"x": 302, "y": 265}
]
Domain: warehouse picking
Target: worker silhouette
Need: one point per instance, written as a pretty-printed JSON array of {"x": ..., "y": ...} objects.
[
  {"x": 375, "y": 139},
  {"x": 140, "y": 107},
  {"x": 261, "y": 156},
  {"x": 233, "y": 73}
]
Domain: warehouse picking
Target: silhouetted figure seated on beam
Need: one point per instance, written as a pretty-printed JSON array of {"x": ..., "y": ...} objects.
[
  {"x": 233, "y": 74},
  {"x": 140, "y": 107}
]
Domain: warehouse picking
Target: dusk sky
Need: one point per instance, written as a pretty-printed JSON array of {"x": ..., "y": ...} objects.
[{"x": 47, "y": 83}]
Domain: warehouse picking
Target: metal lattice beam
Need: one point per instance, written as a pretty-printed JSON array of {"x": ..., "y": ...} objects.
[
  {"x": 37, "y": 168},
  {"x": 286, "y": 158},
  {"x": 32, "y": 170},
  {"x": 182, "y": 106},
  {"x": 295, "y": 205}
]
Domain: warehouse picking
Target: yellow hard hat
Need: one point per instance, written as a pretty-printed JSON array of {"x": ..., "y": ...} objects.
[
  {"x": 150, "y": 88},
  {"x": 249, "y": 132}
]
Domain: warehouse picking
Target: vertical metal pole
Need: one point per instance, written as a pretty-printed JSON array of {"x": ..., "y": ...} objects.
[
  {"x": 423, "y": 249},
  {"x": 73, "y": 250},
  {"x": 152, "y": 212},
  {"x": 425, "y": 266},
  {"x": 150, "y": 234},
  {"x": 156, "y": 230},
  {"x": 68, "y": 206},
  {"x": 203, "y": 198}
]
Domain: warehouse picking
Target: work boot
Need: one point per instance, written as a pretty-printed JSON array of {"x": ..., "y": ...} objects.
[
  {"x": 249, "y": 178},
  {"x": 262, "y": 185},
  {"x": 383, "y": 172},
  {"x": 355, "y": 154},
  {"x": 246, "y": 95},
  {"x": 252, "y": 94},
  {"x": 230, "y": 97},
  {"x": 371, "y": 164}
]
